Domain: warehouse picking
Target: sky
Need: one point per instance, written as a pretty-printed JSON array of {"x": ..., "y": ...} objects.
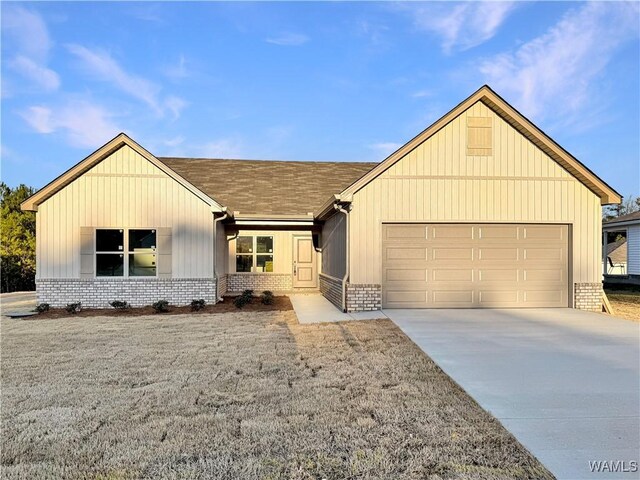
[{"x": 310, "y": 81}]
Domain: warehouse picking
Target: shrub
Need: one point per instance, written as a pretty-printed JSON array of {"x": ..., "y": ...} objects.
[
  {"x": 197, "y": 305},
  {"x": 161, "y": 306},
  {"x": 267, "y": 297},
  {"x": 248, "y": 294},
  {"x": 42, "y": 307},
  {"x": 120, "y": 305},
  {"x": 240, "y": 301},
  {"x": 73, "y": 307}
]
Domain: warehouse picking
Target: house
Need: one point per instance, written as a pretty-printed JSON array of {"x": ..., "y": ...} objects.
[
  {"x": 481, "y": 209},
  {"x": 622, "y": 262}
]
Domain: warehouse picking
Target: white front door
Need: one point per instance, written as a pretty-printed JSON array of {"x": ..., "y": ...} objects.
[{"x": 305, "y": 274}]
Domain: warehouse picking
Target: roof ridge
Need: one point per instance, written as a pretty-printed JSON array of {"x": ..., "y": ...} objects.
[{"x": 269, "y": 160}]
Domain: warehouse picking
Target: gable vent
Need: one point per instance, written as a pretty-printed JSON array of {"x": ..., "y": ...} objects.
[{"x": 479, "y": 136}]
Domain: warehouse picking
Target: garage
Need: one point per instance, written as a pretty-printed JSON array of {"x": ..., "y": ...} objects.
[{"x": 474, "y": 265}]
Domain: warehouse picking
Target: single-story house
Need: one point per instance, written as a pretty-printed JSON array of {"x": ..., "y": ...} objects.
[
  {"x": 622, "y": 262},
  {"x": 481, "y": 209}
]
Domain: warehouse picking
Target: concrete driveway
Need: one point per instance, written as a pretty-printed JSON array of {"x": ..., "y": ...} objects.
[
  {"x": 17, "y": 302},
  {"x": 566, "y": 383}
]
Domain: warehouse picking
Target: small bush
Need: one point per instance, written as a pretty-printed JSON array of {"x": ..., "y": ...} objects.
[
  {"x": 42, "y": 307},
  {"x": 197, "y": 305},
  {"x": 240, "y": 301},
  {"x": 120, "y": 305},
  {"x": 161, "y": 306},
  {"x": 267, "y": 297},
  {"x": 248, "y": 294},
  {"x": 73, "y": 307}
]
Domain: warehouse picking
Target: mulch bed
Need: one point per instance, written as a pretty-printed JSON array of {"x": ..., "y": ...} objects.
[{"x": 279, "y": 304}]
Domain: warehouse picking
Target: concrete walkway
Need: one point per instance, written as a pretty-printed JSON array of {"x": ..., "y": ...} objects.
[
  {"x": 565, "y": 382},
  {"x": 17, "y": 302},
  {"x": 314, "y": 308}
]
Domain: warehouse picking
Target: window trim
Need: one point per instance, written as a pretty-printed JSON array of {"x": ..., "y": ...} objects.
[
  {"x": 254, "y": 254},
  {"x": 125, "y": 252}
]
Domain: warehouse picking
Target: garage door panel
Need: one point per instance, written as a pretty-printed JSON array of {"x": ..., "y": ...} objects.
[
  {"x": 452, "y": 253},
  {"x": 544, "y": 275},
  {"x": 448, "y": 232},
  {"x": 444, "y": 274},
  {"x": 404, "y": 297},
  {"x": 498, "y": 275},
  {"x": 544, "y": 254},
  {"x": 498, "y": 254},
  {"x": 467, "y": 266},
  {"x": 405, "y": 274},
  {"x": 457, "y": 297},
  {"x": 406, "y": 253},
  {"x": 498, "y": 298},
  {"x": 500, "y": 233},
  {"x": 405, "y": 232}
]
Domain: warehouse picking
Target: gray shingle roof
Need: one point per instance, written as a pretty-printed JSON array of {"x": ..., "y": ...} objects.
[
  {"x": 625, "y": 218},
  {"x": 268, "y": 187}
]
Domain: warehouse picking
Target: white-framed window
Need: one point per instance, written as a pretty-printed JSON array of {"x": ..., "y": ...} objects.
[
  {"x": 139, "y": 259},
  {"x": 254, "y": 253}
]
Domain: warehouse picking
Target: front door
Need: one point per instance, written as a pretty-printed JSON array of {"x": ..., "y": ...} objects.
[{"x": 305, "y": 273}]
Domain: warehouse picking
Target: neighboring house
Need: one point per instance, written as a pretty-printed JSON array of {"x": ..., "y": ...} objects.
[
  {"x": 622, "y": 264},
  {"x": 482, "y": 209}
]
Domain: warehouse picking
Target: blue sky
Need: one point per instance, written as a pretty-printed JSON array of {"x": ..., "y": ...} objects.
[{"x": 310, "y": 81}]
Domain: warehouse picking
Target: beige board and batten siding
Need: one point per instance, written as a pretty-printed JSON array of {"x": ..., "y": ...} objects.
[
  {"x": 334, "y": 246},
  {"x": 123, "y": 191},
  {"x": 438, "y": 182}
]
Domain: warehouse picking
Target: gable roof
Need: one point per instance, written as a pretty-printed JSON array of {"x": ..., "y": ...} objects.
[
  {"x": 268, "y": 187},
  {"x": 518, "y": 121},
  {"x": 96, "y": 157},
  {"x": 628, "y": 218}
]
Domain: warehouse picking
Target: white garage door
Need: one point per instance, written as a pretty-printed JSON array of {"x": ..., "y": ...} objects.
[{"x": 474, "y": 266}]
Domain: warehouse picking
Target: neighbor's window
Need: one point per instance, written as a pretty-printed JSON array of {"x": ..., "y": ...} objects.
[
  {"x": 142, "y": 253},
  {"x": 139, "y": 260},
  {"x": 109, "y": 253},
  {"x": 254, "y": 253}
]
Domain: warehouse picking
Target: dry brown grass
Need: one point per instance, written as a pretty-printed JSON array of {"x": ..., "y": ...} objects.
[
  {"x": 238, "y": 395},
  {"x": 625, "y": 303}
]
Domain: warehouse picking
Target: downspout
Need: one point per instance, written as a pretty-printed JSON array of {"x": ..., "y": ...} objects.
[
  {"x": 215, "y": 251},
  {"x": 346, "y": 269}
]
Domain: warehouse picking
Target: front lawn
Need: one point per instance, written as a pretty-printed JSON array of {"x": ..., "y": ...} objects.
[
  {"x": 238, "y": 395},
  {"x": 625, "y": 303}
]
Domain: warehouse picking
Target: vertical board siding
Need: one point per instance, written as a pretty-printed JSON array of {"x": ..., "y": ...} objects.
[
  {"x": 633, "y": 250},
  {"x": 124, "y": 191},
  {"x": 438, "y": 182},
  {"x": 334, "y": 246}
]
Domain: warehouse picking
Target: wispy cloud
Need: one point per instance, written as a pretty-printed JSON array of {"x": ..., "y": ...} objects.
[
  {"x": 384, "y": 149},
  {"x": 102, "y": 66},
  {"x": 84, "y": 124},
  {"x": 460, "y": 26},
  {"x": 29, "y": 39},
  {"x": 28, "y": 30},
  {"x": 39, "y": 75},
  {"x": 421, "y": 94},
  {"x": 560, "y": 70},
  {"x": 230, "y": 147},
  {"x": 288, "y": 39},
  {"x": 178, "y": 70}
]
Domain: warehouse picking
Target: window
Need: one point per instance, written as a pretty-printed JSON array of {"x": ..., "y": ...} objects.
[
  {"x": 138, "y": 261},
  {"x": 254, "y": 254},
  {"x": 142, "y": 253},
  {"x": 479, "y": 136},
  {"x": 109, "y": 253}
]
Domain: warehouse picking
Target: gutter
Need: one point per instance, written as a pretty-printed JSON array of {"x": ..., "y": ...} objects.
[
  {"x": 215, "y": 249},
  {"x": 346, "y": 269}
]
